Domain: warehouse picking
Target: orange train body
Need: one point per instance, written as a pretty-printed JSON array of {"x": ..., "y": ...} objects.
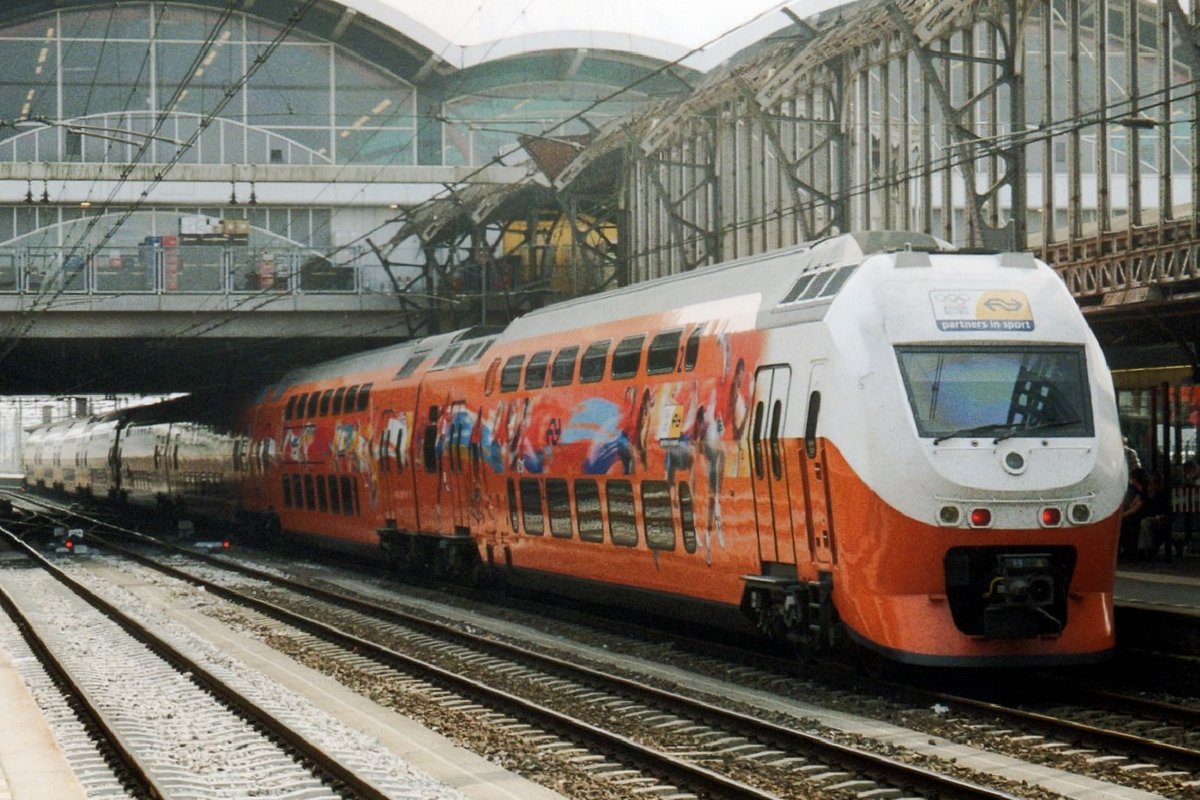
[{"x": 854, "y": 440}]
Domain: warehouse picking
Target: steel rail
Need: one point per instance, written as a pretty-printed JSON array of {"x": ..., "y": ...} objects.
[
  {"x": 896, "y": 773},
  {"x": 326, "y": 766}
]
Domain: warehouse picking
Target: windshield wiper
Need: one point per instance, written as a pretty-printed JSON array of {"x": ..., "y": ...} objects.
[
  {"x": 1041, "y": 426},
  {"x": 978, "y": 429}
]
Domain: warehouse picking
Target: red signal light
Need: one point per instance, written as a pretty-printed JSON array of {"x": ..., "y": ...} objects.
[
  {"x": 224, "y": 544},
  {"x": 69, "y": 544},
  {"x": 980, "y": 517},
  {"x": 1051, "y": 517}
]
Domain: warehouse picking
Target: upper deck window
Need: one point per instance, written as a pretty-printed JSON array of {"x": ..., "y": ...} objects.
[
  {"x": 595, "y": 359},
  {"x": 627, "y": 358},
  {"x": 510, "y": 376},
  {"x": 364, "y": 396},
  {"x": 535, "y": 373},
  {"x": 997, "y": 392},
  {"x": 664, "y": 352},
  {"x": 562, "y": 371},
  {"x": 411, "y": 365},
  {"x": 446, "y": 357}
]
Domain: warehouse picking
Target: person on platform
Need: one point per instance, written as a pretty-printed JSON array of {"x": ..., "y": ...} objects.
[{"x": 1132, "y": 511}]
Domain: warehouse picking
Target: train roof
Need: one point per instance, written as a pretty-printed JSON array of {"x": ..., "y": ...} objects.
[{"x": 768, "y": 275}]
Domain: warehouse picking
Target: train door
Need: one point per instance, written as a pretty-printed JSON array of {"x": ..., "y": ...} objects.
[
  {"x": 456, "y": 467},
  {"x": 821, "y": 543},
  {"x": 768, "y": 465}
]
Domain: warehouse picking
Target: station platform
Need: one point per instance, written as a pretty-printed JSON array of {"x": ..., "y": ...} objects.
[{"x": 1167, "y": 586}]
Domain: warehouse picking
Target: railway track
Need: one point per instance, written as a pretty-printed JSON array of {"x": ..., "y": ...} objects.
[
  {"x": 110, "y": 665},
  {"x": 676, "y": 739},
  {"x": 740, "y": 738}
]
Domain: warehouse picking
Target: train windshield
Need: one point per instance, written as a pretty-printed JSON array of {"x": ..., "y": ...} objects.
[{"x": 996, "y": 391}]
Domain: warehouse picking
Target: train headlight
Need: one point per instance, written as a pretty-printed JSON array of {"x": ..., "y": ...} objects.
[
  {"x": 1051, "y": 517},
  {"x": 949, "y": 515},
  {"x": 1080, "y": 513},
  {"x": 981, "y": 517}
]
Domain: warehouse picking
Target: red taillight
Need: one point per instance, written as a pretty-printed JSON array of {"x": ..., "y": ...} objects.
[
  {"x": 69, "y": 544},
  {"x": 980, "y": 517},
  {"x": 224, "y": 544},
  {"x": 1051, "y": 517}
]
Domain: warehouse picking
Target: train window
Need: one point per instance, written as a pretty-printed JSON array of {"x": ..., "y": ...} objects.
[
  {"x": 776, "y": 445},
  {"x": 364, "y": 396},
  {"x": 351, "y": 400},
  {"x": 818, "y": 283},
  {"x": 622, "y": 519},
  {"x": 810, "y": 424},
  {"x": 349, "y": 496},
  {"x": 663, "y": 355},
  {"x": 313, "y": 399},
  {"x": 798, "y": 288},
  {"x": 335, "y": 498},
  {"x": 291, "y": 407},
  {"x": 338, "y": 397},
  {"x": 691, "y": 353},
  {"x": 411, "y": 365},
  {"x": 510, "y": 376},
  {"x": 512, "y": 505},
  {"x": 562, "y": 371},
  {"x": 310, "y": 496},
  {"x": 531, "y": 506},
  {"x": 838, "y": 280},
  {"x": 446, "y": 357},
  {"x": 587, "y": 510},
  {"x": 326, "y": 398},
  {"x": 627, "y": 357},
  {"x": 322, "y": 497},
  {"x": 657, "y": 515},
  {"x": 535, "y": 372},
  {"x": 489, "y": 382},
  {"x": 297, "y": 494},
  {"x": 287, "y": 491},
  {"x": 385, "y": 444},
  {"x": 595, "y": 359},
  {"x": 756, "y": 440},
  {"x": 558, "y": 503},
  {"x": 687, "y": 517},
  {"x": 429, "y": 448}
]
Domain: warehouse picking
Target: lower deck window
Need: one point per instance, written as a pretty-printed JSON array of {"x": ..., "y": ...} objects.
[
  {"x": 622, "y": 519},
  {"x": 558, "y": 503},
  {"x": 659, "y": 519},
  {"x": 531, "y": 506},
  {"x": 587, "y": 511}
]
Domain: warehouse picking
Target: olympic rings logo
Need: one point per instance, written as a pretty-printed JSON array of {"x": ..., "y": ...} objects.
[{"x": 951, "y": 298}]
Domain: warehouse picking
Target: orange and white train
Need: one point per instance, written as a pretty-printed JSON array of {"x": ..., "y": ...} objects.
[{"x": 873, "y": 438}]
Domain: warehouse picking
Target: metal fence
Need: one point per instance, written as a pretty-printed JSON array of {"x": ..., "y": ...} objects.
[{"x": 194, "y": 269}]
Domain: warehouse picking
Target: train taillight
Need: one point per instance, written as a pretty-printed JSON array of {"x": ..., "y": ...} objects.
[
  {"x": 225, "y": 544},
  {"x": 69, "y": 544},
  {"x": 981, "y": 517},
  {"x": 1051, "y": 517}
]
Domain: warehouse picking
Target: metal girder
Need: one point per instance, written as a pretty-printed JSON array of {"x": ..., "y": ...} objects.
[
  {"x": 799, "y": 187},
  {"x": 1007, "y": 22}
]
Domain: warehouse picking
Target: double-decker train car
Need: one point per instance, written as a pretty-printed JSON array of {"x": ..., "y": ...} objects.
[{"x": 873, "y": 438}]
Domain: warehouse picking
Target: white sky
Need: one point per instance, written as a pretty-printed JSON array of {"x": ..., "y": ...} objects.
[{"x": 473, "y": 31}]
